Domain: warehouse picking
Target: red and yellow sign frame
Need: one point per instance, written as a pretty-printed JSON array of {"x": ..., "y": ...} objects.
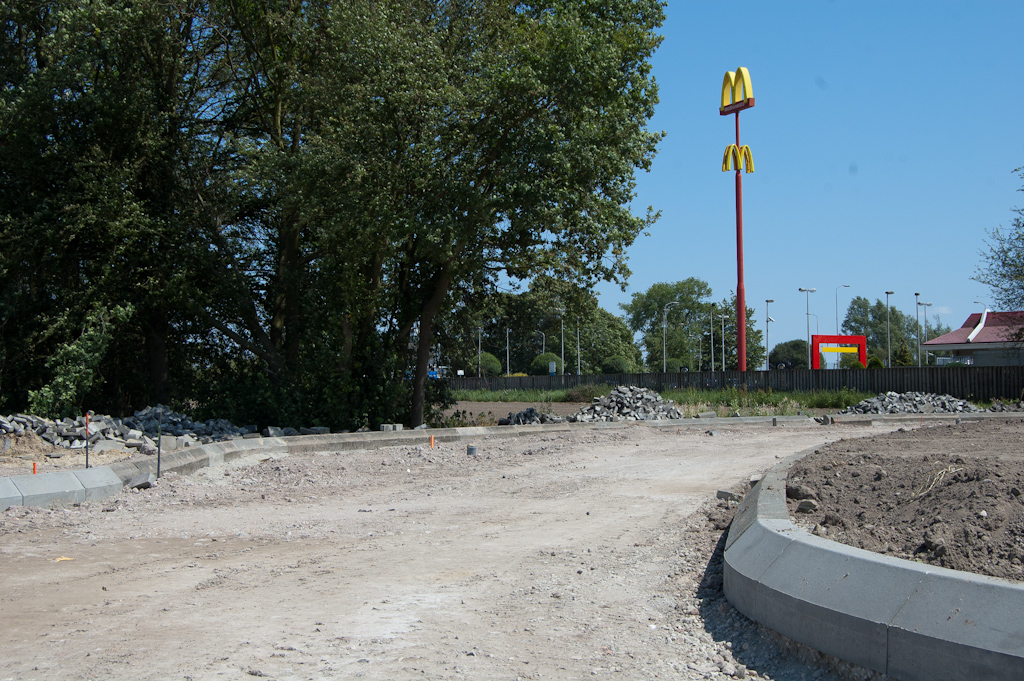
[{"x": 845, "y": 343}]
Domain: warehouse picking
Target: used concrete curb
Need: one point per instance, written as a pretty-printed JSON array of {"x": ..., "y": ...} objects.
[{"x": 911, "y": 621}]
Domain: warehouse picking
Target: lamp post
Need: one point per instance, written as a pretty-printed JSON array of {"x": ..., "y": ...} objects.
[
  {"x": 712, "y": 336},
  {"x": 664, "y": 335},
  {"x": 737, "y": 95},
  {"x": 543, "y": 342},
  {"x": 722, "y": 317},
  {"x": 768, "y": 320},
  {"x": 578, "y": 370},
  {"x": 888, "y": 333},
  {"x": 561, "y": 319},
  {"x": 917, "y": 310},
  {"x": 479, "y": 350},
  {"x": 837, "y": 305},
  {"x": 925, "y": 306},
  {"x": 508, "y": 369},
  {"x": 808, "y": 291}
]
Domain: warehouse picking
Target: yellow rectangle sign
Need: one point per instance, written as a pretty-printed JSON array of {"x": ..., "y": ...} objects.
[{"x": 846, "y": 349}]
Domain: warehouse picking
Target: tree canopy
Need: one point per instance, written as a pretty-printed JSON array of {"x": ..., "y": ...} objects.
[
  {"x": 1002, "y": 268},
  {"x": 293, "y": 199}
]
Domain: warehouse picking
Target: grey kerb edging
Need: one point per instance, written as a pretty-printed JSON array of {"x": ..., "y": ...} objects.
[
  {"x": 56, "y": 489},
  {"x": 908, "y": 620},
  {"x": 101, "y": 482}
]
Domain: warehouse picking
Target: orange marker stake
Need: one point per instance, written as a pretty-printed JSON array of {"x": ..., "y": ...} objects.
[
  {"x": 34, "y": 471},
  {"x": 431, "y": 441}
]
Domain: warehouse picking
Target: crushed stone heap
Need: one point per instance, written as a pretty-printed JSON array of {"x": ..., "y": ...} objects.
[
  {"x": 528, "y": 417},
  {"x": 911, "y": 403},
  {"x": 133, "y": 432},
  {"x": 628, "y": 403}
]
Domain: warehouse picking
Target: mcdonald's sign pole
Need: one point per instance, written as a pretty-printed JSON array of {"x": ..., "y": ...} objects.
[{"x": 737, "y": 95}]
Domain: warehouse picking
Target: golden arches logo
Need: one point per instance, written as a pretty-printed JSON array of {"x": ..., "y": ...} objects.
[
  {"x": 738, "y": 158},
  {"x": 737, "y": 92}
]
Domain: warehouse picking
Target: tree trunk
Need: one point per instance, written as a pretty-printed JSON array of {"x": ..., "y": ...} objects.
[
  {"x": 419, "y": 386},
  {"x": 156, "y": 358}
]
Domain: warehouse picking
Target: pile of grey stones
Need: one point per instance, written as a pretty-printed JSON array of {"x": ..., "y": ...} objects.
[
  {"x": 628, "y": 403},
  {"x": 140, "y": 431},
  {"x": 529, "y": 417},
  {"x": 911, "y": 403}
]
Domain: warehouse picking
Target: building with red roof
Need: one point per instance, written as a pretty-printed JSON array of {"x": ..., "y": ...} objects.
[{"x": 986, "y": 339}]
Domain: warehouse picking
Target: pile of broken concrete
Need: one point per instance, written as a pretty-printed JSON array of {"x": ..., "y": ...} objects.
[
  {"x": 628, "y": 403},
  {"x": 529, "y": 417},
  {"x": 141, "y": 431},
  {"x": 911, "y": 403}
]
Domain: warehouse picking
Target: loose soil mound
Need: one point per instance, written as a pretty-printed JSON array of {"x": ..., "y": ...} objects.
[{"x": 947, "y": 495}]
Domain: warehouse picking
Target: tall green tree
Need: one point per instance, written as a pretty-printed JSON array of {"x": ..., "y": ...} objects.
[{"x": 1002, "y": 265}]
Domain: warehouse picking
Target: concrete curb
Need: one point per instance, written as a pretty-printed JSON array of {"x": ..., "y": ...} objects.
[
  {"x": 908, "y": 620},
  {"x": 54, "y": 489}
]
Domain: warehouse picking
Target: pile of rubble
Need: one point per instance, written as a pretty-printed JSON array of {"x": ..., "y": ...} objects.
[
  {"x": 140, "y": 431},
  {"x": 628, "y": 403},
  {"x": 911, "y": 403},
  {"x": 1000, "y": 405},
  {"x": 528, "y": 417}
]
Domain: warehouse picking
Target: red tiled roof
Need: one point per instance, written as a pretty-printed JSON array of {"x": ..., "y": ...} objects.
[{"x": 999, "y": 327}]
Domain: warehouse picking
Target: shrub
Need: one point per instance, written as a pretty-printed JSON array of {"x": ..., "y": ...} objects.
[
  {"x": 616, "y": 364},
  {"x": 539, "y": 366},
  {"x": 875, "y": 363},
  {"x": 489, "y": 365},
  {"x": 674, "y": 365}
]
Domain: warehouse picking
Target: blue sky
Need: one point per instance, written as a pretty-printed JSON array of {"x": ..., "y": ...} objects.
[{"x": 885, "y": 137}]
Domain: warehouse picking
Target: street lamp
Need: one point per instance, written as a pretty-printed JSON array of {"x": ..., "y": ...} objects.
[
  {"x": 978, "y": 302},
  {"x": 917, "y": 310},
  {"x": 768, "y": 320},
  {"x": 578, "y": 371},
  {"x": 888, "y": 333},
  {"x": 664, "y": 335},
  {"x": 808, "y": 291},
  {"x": 479, "y": 350},
  {"x": 712, "y": 336},
  {"x": 925, "y": 306},
  {"x": 508, "y": 369},
  {"x": 837, "y": 305},
  {"x": 543, "y": 342},
  {"x": 561, "y": 319}
]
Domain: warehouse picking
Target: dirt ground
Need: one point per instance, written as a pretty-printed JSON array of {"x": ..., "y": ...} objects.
[
  {"x": 488, "y": 413},
  {"x": 24, "y": 450},
  {"x": 948, "y": 495},
  {"x": 592, "y": 553}
]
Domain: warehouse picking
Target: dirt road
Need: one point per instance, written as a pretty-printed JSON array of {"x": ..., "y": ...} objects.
[{"x": 543, "y": 557}]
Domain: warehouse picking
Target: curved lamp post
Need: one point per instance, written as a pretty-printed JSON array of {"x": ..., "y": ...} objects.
[
  {"x": 767, "y": 321},
  {"x": 664, "y": 335},
  {"x": 888, "y": 334},
  {"x": 808, "y": 291}
]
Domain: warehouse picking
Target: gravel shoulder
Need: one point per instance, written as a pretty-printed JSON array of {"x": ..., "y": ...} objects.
[
  {"x": 948, "y": 495},
  {"x": 587, "y": 554}
]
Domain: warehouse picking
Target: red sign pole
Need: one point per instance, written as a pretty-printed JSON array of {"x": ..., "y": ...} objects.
[
  {"x": 741, "y": 294},
  {"x": 737, "y": 94}
]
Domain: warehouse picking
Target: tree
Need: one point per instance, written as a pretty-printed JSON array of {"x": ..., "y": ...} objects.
[
  {"x": 789, "y": 355},
  {"x": 645, "y": 313},
  {"x": 870, "y": 320},
  {"x": 1002, "y": 268},
  {"x": 616, "y": 364},
  {"x": 304, "y": 203},
  {"x": 541, "y": 364}
]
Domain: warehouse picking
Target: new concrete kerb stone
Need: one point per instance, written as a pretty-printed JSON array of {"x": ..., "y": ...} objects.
[
  {"x": 101, "y": 482},
  {"x": 908, "y": 620}
]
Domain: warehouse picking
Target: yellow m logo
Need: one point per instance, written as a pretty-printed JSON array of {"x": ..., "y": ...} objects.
[
  {"x": 736, "y": 87},
  {"x": 738, "y": 157}
]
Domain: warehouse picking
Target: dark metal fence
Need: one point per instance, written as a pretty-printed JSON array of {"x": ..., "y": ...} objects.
[{"x": 971, "y": 382}]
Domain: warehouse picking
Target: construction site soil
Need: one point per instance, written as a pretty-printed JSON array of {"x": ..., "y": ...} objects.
[
  {"x": 947, "y": 495},
  {"x": 587, "y": 553}
]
